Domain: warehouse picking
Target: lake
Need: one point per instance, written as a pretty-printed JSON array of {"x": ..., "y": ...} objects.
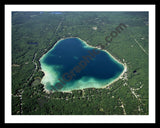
[{"x": 72, "y": 64}]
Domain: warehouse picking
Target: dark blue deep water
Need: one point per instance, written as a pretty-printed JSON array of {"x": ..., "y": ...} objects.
[{"x": 72, "y": 64}]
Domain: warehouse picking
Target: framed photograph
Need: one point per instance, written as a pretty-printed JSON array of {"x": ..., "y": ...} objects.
[{"x": 80, "y": 63}]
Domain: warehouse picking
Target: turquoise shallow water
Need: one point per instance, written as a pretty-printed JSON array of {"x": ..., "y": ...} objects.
[{"x": 71, "y": 65}]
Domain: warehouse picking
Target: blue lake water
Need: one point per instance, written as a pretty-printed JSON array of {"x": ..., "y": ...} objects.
[
  {"x": 72, "y": 64},
  {"x": 56, "y": 13}
]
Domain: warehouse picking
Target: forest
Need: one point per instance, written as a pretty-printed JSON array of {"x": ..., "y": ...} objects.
[{"x": 34, "y": 33}]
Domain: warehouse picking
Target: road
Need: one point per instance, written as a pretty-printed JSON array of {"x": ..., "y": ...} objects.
[
  {"x": 141, "y": 47},
  {"x": 35, "y": 67}
]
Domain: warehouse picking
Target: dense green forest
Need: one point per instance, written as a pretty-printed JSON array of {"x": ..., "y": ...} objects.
[{"x": 34, "y": 33}]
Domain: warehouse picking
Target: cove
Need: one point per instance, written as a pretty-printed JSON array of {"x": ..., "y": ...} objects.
[{"x": 72, "y": 64}]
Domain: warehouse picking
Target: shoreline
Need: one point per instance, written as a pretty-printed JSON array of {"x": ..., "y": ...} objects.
[
  {"x": 118, "y": 61},
  {"x": 103, "y": 87}
]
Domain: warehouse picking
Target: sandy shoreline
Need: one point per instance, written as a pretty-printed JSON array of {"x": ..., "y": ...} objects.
[{"x": 124, "y": 65}]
